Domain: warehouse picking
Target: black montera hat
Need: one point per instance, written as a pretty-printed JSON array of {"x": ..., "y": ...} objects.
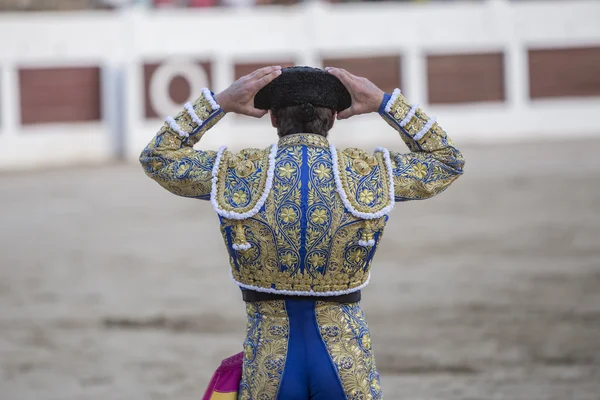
[{"x": 303, "y": 85}]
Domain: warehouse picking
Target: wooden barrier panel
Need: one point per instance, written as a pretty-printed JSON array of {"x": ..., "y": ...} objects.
[
  {"x": 79, "y": 87},
  {"x": 384, "y": 71},
  {"x": 64, "y": 94},
  {"x": 465, "y": 78},
  {"x": 564, "y": 72}
]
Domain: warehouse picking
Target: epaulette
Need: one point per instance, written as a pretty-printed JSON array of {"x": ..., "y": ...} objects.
[
  {"x": 364, "y": 182},
  {"x": 241, "y": 182}
]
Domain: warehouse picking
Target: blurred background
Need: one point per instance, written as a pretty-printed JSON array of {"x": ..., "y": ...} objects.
[{"x": 110, "y": 287}]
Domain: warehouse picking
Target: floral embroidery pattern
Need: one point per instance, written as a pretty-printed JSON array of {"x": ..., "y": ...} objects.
[
  {"x": 240, "y": 198},
  {"x": 288, "y": 215},
  {"x": 302, "y": 217},
  {"x": 286, "y": 170},
  {"x": 346, "y": 335},
  {"x": 283, "y": 227},
  {"x": 364, "y": 181},
  {"x": 319, "y": 216},
  {"x": 434, "y": 162},
  {"x": 366, "y": 196},
  {"x": 322, "y": 172},
  {"x": 171, "y": 160},
  {"x": 301, "y": 237},
  {"x": 265, "y": 350}
]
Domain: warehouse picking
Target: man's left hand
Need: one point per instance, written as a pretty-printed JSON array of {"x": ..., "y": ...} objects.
[{"x": 239, "y": 97}]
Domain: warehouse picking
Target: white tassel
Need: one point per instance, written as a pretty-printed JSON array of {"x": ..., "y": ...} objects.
[
  {"x": 241, "y": 247},
  {"x": 342, "y": 193},
  {"x": 392, "y": 100},
  {"x": 425, "y": 129},
  {"x": 366, "y": 243},
  {"x": 261, "y": 200},
  {"x": 173, "y": 124},
  {"x": 208, "y": 96},
  {"x": 300, "y": 293},
  {"x": 192, "y": 113}
]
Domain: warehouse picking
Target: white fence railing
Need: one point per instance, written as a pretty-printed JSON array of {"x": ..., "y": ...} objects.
[{"x": 122, "y": 42}]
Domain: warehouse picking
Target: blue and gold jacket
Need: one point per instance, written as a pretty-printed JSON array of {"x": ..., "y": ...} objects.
[{"x": 302, "y": 217}]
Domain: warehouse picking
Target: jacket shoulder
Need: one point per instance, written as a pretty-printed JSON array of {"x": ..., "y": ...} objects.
[
  {"x": 241, "y": 179},
  {"x": 364, "y": 181}
]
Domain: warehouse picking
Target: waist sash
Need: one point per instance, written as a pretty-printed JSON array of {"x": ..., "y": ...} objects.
[{"x": 251, "y": 296}]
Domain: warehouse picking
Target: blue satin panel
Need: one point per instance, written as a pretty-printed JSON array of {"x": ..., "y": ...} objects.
[
  {"x": 304, "y": 349},
  {"x": 309, "y": 371}
]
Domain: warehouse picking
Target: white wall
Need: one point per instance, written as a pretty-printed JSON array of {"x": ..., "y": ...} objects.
[{"x": 122, "y": 42}]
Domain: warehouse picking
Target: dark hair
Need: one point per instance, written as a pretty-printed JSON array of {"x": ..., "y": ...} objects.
[{"x": 303, "y": 119}]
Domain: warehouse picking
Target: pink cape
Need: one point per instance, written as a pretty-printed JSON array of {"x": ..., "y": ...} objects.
[{"x": 225, "y": 382}]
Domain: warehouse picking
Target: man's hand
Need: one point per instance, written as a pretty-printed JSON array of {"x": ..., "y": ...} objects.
[
  {"x": 239, "y": 97},
  {"x": 366, "y": 96}
]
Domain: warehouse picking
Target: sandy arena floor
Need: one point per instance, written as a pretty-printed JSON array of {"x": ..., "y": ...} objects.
[{"x": 111, "y": 288}]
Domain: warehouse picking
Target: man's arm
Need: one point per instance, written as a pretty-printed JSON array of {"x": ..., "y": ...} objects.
[
  {"x": 170, "y": 158},
  {"x": 433, "y": 163}
]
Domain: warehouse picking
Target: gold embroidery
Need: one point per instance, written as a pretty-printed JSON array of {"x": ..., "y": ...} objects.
[
  {"x": 364, "y": 179},
  {"x": 265, "y": 350},
  {"x": 319, "y": 216},
  {"x": 434, "y": 162},
  {"x": 361, "y": 166},
  {"x": 365, "y": 197},
  {"x": 334, "y": 261},
  {"x": 172, "y": 161},
  {"x": 345, "y": 332},
  {"x": 286, "y": 170},
  {"x": 322, "y": 172},
  {"x": 288, "y": 215},
  {"x": 241, "y": 179},
  {"x": 240, "y": 234},
  {"x": 244, "y": 168},
  {"x": 304, "y": 138}
]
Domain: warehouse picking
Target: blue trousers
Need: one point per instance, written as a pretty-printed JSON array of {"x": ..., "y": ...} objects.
[{"x": 307, "y": 350}]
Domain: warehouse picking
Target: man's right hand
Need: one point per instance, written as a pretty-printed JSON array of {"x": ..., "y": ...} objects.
[
  {"x": 366, "y": 96},
  {"x": 239, "y": 97}
]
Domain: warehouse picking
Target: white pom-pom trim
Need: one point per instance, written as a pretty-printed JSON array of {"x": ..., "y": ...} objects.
[
  {"x": 299, "y": 293},
  {"x": 392, "y": 100},
  {"x": 208, "y": 96},
  {"x": 261, "y": 200},
  {"x": 192, "y": 113},
  {"x": 425, "y": 129},
  {"x": 342, "y": 193},
  {"x": 409, "y": 116},
  {"x": 241, "y": 247},
  {"x": 366, "y": 243},
  {"x": 173, "y": 124}
]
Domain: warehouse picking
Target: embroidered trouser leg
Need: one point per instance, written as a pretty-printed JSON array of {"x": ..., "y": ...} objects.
[{"x": 308, "y": 350}]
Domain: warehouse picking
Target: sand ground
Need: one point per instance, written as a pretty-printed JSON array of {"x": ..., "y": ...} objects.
[{"x": 111, "y": 288}]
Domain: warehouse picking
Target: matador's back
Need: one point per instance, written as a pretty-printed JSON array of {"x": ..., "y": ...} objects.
[{"x": 302, "y": 217}]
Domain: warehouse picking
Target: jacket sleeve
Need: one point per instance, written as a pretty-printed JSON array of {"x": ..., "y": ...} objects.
[
  {"x": 170, "y": 158},
  {"x": 433, "y": 162}
]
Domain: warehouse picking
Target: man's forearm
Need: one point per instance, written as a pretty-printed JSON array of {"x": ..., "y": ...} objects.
[
  {"x": 196, "y": 118},
  {"x": 170, "y": 158},
  {"x": 420, "y": 132}
]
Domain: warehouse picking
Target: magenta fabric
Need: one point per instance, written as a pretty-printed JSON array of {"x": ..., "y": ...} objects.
[{"x": 227, "y": 377}]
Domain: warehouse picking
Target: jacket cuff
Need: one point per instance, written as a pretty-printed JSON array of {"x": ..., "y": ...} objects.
[
  {"x": 195, "y": 115},
  {"x": 384, "y": 103},
  {"x": 407, "y": 118}
]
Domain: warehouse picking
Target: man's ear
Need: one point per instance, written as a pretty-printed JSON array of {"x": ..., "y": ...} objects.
[{"x": 273, "y": 120}]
